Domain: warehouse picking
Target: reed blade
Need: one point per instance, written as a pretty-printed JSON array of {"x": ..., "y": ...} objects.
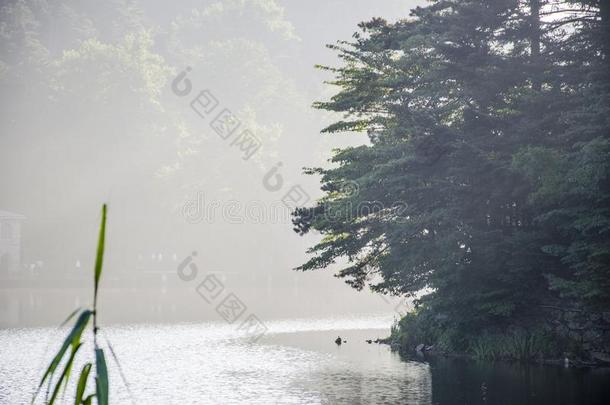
[
  {"x": 73, "y": 339},
  {"x": 82, "y": 384},
  {"x": 99, "y": 258},
  {"x": 101, "y": 380}
]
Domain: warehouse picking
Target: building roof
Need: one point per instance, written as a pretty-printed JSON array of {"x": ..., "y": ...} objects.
[{"x": 10, "y": 215}]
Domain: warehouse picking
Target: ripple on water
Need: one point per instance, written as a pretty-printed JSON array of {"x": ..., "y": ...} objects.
[{"x": 210, "y": 363}]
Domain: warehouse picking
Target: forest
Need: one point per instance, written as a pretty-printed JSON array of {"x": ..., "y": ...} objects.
[{"x": 484, "y": 191}]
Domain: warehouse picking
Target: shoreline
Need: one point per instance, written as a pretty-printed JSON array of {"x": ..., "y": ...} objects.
[{"x": 432, "y": 354}]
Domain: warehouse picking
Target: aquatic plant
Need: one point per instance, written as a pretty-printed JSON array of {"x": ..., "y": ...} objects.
[
  {"x": 518, "y": 345},
  {"x": 73, "y": 342},
  {"x": 488, "y": 347}
]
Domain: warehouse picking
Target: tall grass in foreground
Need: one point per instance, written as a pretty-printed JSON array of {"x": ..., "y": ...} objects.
[{"x": 73, "y": 342}]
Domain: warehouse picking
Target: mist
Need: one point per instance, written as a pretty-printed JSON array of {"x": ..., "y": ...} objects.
[
  {"x": 89, "y": 117},
  {"x": 317, "y": 202}
]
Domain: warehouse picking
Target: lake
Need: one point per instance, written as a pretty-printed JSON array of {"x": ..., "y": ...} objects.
[{"x": 295, "y": 362}]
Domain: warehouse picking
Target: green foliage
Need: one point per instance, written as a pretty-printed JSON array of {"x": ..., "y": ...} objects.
[
  {"x": 488, "y": 162},
  {"x": 520, "y": 345},
  {"x": 101, "y": 380},
  {"x": 424, "y": 327},
  {"x": 99, "y": 257},
  {"x": 73, "y": 341},
  {"x": 82, "y": 384}
]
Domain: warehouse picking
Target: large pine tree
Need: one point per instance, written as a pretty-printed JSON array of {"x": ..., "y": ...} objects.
[{"x": 485, "y": 182}]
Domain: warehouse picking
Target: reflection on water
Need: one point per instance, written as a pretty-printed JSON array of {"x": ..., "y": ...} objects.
[
  {"x": 297, "y": 362},
  {"x": 469, "y": 382},
  {"x": 357, "y": 372}
]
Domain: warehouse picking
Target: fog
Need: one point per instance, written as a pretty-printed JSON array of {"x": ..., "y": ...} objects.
[{"x": 94, "y": 110}]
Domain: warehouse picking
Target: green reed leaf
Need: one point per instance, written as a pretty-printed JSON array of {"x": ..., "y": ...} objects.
[
  {"x": 101, "y": 380},
  {"x": 82, "y": 384},
  {"x": 88, "y": 400},
  {"x": 73, "y": 339},
  {"x": 76, "y": 311},
  {"x": 63, "y": 378},
  {"x": 99, "y": 259}
]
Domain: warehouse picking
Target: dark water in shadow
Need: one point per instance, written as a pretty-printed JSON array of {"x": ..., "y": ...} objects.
[{"x": 458, "y": 381}]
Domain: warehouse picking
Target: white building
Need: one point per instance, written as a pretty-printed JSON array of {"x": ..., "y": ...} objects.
[{"x": 10, "y": 241}]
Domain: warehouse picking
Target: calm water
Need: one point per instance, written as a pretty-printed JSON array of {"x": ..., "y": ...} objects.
[{"x": 295, "y": 363}]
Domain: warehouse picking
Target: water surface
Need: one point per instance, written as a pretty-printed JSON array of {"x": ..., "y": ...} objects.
[{"x": 296, "y": 362}]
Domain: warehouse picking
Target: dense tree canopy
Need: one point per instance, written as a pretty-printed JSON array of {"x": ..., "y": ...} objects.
[{"x": 485, "y": 183}]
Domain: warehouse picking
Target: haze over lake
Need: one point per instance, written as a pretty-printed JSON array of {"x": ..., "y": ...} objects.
[{"x": 305, "y": 202}]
